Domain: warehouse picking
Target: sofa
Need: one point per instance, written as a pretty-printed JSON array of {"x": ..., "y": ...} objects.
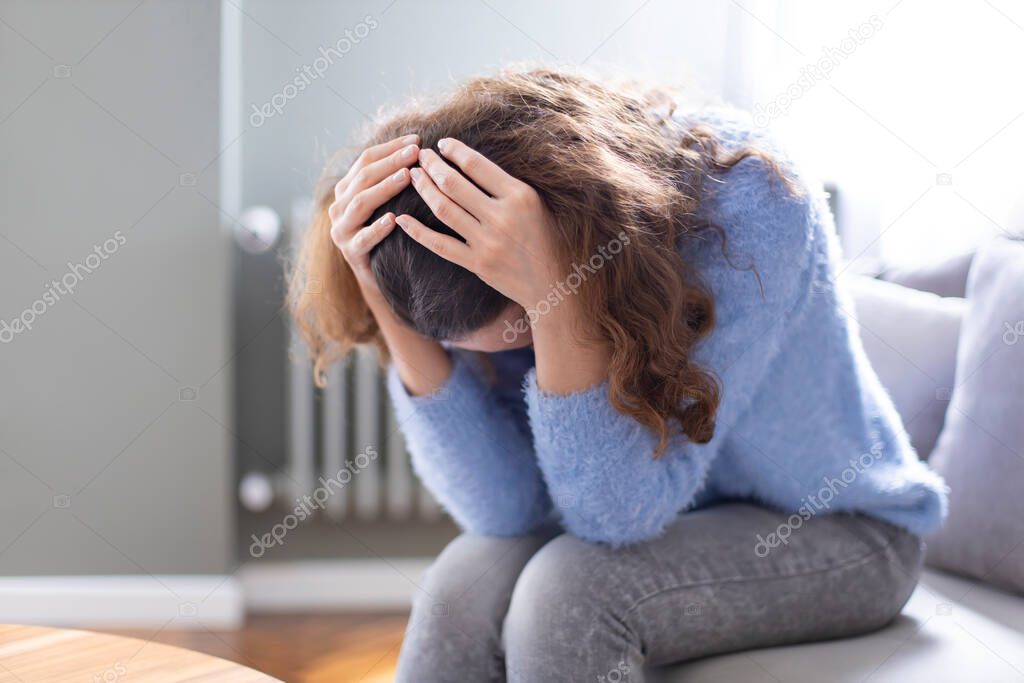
[{"x": 919, "y": 328}]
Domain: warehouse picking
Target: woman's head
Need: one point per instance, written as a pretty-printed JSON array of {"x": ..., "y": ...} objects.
[
  {"x": 536, "y": 126},
  {"x": 432, "y": 295},
  {"x": 623, "y": 185}
]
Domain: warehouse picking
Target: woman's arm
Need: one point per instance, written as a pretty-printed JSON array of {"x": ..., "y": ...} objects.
[
  {"x": 472, "y": 454},
  {"x": 598, "y": 464},
  {"x": 565, "y": 361},
  {"x": 466, "y": 447},
  {"x": 380, "y": 173},
  {"x": 422, "y": 364}
]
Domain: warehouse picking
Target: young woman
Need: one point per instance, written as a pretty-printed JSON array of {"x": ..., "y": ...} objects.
[{"x": 621, "y": 365}]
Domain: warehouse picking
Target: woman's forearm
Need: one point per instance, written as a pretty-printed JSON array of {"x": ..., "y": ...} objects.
[
  {"x": 566, "y": 361},
  {"x": 470, "y": 451},
  {"x": 423, "y": 365}
]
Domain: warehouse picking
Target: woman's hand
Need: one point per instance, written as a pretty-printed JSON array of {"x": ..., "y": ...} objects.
[
  {"x": 509, "y": 245},
  {"x": 378, "y": 174},
  {"x": 508, "y": 230}
]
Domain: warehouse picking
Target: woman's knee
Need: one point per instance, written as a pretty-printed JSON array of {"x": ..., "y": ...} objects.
[
  {"x": 568, "y": 619},
  {"x": 474, "y": 576},
  {"x": 454, "y": 629},
  {"x": 558, "y": 592}
]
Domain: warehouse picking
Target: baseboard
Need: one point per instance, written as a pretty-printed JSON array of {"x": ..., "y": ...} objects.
[
  {"x": 211, "y": 602},
  {"x": 131, "y": 601},
  {"x": 332, "y": 585}
]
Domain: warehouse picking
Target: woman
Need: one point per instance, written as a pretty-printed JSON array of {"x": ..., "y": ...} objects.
[{"x": 621, "y": 366}]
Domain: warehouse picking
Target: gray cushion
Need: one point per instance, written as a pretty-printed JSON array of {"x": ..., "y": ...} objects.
[
  {"x": 910, "y": 337},
  {"x": 945, "y": 277},
  {"x": 952, "y": 630},
  {"x": 981, "y": 449}
]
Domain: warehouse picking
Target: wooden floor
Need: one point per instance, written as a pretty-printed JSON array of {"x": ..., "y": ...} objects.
[{"x": 302, "y": 649}]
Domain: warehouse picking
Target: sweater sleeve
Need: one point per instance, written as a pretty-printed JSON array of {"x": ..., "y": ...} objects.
[
  {"x": 469, "y": 451},
  {"x": 598, "y": 463}
]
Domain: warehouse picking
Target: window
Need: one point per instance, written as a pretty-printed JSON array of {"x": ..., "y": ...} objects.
[{"x": 912, "y": 108}]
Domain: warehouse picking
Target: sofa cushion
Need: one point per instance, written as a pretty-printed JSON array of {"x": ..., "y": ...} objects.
[
  {"x": 981, "y": 449},
  {"x": 945, "y": 277},
  {"x": 951, "y": 630},
  {"x": 910, "y": 337}
]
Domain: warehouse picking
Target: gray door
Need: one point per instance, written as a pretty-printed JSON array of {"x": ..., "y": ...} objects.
[{"x": 115, "y": 424}]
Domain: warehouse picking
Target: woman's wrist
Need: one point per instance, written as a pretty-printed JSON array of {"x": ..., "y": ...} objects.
[
  {"x": 569, "y": 359},
  {"x": 423, "y": 364}
]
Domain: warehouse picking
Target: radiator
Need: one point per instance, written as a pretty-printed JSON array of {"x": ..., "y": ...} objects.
[{"x": 349, "y": 427}]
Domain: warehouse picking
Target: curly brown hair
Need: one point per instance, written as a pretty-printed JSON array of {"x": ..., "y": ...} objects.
[{"x": 605, "y": 161}]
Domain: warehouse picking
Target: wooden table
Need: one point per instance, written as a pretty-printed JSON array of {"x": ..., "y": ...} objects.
[{"x": 33, "y": 654}]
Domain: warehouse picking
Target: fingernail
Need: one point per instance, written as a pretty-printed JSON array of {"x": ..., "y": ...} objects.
[
  {"x": 442, "y": 144},
  {"x": 408, "y": 139},
  {"x": 399, "y": 175},
  {"x": 401, "y": 221},
  {"x": 416, "y": 174},
  {"x": 384, "y": 220},
  {"x": 407, "y": 152}
]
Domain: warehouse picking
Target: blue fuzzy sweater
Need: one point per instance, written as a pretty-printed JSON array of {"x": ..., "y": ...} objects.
[{"x": 803, "y": 425}]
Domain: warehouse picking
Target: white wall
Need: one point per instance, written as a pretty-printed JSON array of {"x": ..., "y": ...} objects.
[
  {"x": 921, "y": 122},
  {"x": 420, "y": 47}
]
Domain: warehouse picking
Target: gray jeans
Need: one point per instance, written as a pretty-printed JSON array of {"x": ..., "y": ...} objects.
[{"x": 549, "y": 607}]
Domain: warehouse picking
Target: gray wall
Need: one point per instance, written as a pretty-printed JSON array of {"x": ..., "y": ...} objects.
[{"x": 109, "y": 129}]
